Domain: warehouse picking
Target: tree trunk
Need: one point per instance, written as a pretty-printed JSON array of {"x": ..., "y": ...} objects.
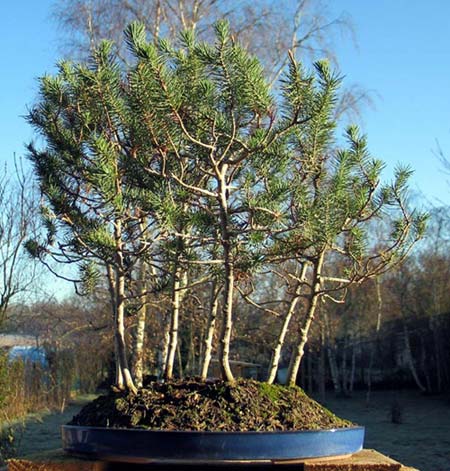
[
  {"x": 210, "y": 328},
  {"x": 322, "y": 364},
  {"x": 423, "y": 364},
  {"x": 165, "y": 346},
  {"x": 228, "y": 289},
  {"x": 180, "y": 362},
  {"x": 351, "y": 380},
  {"x": 276, "y": 353},
  {"x": 119, "y": 283},
  {"x": 332, "y": 362},
  {"x": 344, "y": 368},
  {"x": 120, "y": 332},
  {"x": 410, "y": 359},
  {"x": 298, "y": 352},
  {"x": 309, "y": 369},
  {"x": 189, "y": 369},
  {"x": 375, "y": 343},
  {"x": 119, "y": 380},
  {"x": 139, "y": 333},
  {"x": 334, "y": 370},
  {"x": 179, "y": 278},
  {"x": 227, "y": 324},
  {"x": 434, "y": 326}
]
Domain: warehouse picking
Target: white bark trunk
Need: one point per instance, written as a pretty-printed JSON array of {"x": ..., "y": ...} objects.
[
  {"x": 410, "y": 359},
  {"x": 165, "y": 347},
  {"x": 120, "y": 309},
  {"x": 120, "y": 333},
  {"x": 179, "y": 280},
  {"x": 210, "y": 329},
  {"x": 332, "y": 363},
  {"x": 119, "y": 380},
  {"x": 299, "y": 351},
  {"x": 334, "y": 370},
  {"x": 228, "y": 290},
  {"x": 139, "y": 334},
  {"x": 276, "y": 353}
]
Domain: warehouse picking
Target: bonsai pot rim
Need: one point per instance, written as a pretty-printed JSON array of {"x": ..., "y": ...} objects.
[{"x": 202, "y": 447}]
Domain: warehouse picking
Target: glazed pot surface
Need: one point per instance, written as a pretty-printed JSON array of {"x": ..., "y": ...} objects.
[{"x": 150, "y": 446}]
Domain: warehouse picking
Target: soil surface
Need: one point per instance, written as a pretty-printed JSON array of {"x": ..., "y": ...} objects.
[{"x": 213, "y": 406}]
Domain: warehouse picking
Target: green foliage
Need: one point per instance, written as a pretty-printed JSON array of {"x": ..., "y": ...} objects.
[
  {"x": 89, "y": 276},
  {"x": 186, "y": 158}
]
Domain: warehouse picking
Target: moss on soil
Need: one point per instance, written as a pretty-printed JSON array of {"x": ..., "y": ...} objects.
[{"x": 194, "y": 405}]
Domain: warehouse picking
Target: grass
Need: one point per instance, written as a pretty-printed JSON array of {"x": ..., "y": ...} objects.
[
  {"x": 41, "y": 431},
  {"x": 421, "y": 440}
]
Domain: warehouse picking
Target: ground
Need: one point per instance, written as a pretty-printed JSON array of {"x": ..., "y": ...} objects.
[{"x": 422, "y": 440}]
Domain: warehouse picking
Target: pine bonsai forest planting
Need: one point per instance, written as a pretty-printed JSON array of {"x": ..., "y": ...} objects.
[{"x": 184, "y": 184}]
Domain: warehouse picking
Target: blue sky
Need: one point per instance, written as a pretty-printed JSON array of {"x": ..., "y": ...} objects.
[{"x": 403, "y": 57}]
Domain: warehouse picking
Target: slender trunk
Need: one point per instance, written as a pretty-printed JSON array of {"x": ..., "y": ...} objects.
[
  {"x": 201, "y": 353},
  {"x": 351, "y": 380},
  {"x": 334, "y": 370},
  {"x": 276, "y": 353},
  {"x": 298, "y": 352},
  {"x": 228, "y": 289},
  {"x": 423, "y": 364},
  {"x": 119, "y": 381},
  {"x": 210, "y": 328},
  {"x": 437, "y": 353},
  {"x": 139, "y": 334},
  {"x": 321, "y": 374},
  {"x": 180, "y": 361},
  {"x": 178, "y": 278},
  {"x": 309, "y": 369},
  {"x": 165, "y": 347},
  {"x": 332, "y": 363},
  {"x": 227, "y": 324},
  {"x": 410, "y": 359},
  {"x": 375, "y": 344},
  {"x": 344, "y": 368},
  {"x": 190, "y": 362},
  {"x": 120, "y": 308},
  {"x": 120, "y": 332}
]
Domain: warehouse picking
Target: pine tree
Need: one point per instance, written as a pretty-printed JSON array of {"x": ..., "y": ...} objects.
[
  {"x": 83, "y": 117},
  {"x": 336, "y": 195},
  {"x": 185, "y": 169},
  {"x": 212, "y": 126}
]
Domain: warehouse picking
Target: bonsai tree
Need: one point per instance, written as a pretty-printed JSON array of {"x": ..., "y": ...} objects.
[
  {"x": 184, "y": 167},
  {"x": 81, "y": 171}
]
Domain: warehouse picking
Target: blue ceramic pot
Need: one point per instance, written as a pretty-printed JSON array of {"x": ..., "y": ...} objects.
[{"x": 149, "y": 446}]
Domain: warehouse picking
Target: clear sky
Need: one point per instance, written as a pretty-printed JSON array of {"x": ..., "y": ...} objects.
[{"x": 403, "y": 57}]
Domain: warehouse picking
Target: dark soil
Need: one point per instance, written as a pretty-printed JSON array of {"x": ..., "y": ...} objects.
[{"x": 213, "y": 406}]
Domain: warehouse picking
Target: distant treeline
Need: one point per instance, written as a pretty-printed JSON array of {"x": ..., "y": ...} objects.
[{"x": 406, "y": 353}]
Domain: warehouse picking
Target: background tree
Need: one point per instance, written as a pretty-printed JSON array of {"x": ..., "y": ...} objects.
[
  {"x": 267, "y": 29},
  {"x": 19, "y": 219}
]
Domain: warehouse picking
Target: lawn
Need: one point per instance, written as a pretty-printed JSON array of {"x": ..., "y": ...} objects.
[{"x": 422, "y": 440}]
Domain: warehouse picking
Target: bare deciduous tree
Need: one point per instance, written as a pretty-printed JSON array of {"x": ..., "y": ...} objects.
[
  {"x": 18, "y": 221},
  {"x": 267, "y": 29}
]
